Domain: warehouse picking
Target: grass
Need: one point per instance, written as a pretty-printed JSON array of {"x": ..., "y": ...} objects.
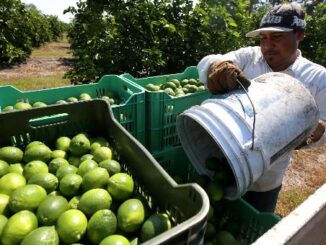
[{"x": 36, "y": 82}]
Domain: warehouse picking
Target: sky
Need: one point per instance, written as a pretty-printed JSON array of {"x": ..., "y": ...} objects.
[{"x": 54, "y": 7}]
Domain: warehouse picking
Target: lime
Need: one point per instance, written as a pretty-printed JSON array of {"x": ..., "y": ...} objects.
[
  {"x": 35, "y": 167},
  {"x": 3, "y": 222},
  {"x": 50, "y": 209},
  {"x": 73, "y": 203},
  {"x": 37, "y": 152},
  {"x": 101, "y": 224},
  {"x": 11, "y": 154},
  {"x": 4, "y": 200},
  {"x": 98, "y": 142},
  {"x": 66, "y": 169},
  {"x": 84, "y": 96},
  {"x": 130, "y": 215},
  {"x": 93, "y": 200},
  {"x": 56, "y": 163},
  {"x": 79, "y": 145},
  {"x": 33, "y": 143},
  {"x": 202, "y": 180},
  {"x": 214, "y": 191},
  {"x": 69, "y": 185},
  {"x": 95, "y": 178},
  {"x": 62, "y": 143},
  {"x": 71, "y": 225},
  {"x": 10, "y": 182},
  {"x": 224, "y": 238},
  {"x": 4, "y": 168},
  {"x": 115, "y": 240},
  {"x": 86, "y": 157},
  {"x": 72, "y": 99},
  {"x": 46, "y": 235},
  {"x": 74, "y": 160},
  {"x": 59, "y": 154},
  {"x": 16, "y": 168},
  {"x": 86, "y": 166},
  {"x": 39, "y": 104},
  {"x": 8, "y": 108},
  {"x": 210, "y": 231},
  {"x": 120, "y": 186},
  {"x": 18, "y": 226},
  {"x": 47, "y": 180},
  {"x": 102, "y": 153},
  {"x": 112, "y": 166},
  {"x": 155, "y": 225},
  {"x": 22, "y": 106},
  {"x": 26, "y": 197}
]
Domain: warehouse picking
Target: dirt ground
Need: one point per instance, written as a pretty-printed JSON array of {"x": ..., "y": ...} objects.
[{"x": 306, "y": 173}]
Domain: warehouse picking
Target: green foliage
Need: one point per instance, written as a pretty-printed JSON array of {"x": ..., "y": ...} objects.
[{"x": 23, "y": 27}]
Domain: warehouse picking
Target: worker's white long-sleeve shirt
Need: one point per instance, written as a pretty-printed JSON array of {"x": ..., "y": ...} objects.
[{"x": 253, "y": 64}]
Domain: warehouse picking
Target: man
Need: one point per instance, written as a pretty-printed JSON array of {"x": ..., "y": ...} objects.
[{"x": 281, "y": 30}]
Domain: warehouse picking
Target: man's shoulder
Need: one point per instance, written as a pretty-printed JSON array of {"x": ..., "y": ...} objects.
[{"x": 306, "y": 65}]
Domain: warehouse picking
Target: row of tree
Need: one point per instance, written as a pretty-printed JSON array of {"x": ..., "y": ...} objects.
[
  {"x": 24, "y": 27},
  {"x": 149, "y": 37}
]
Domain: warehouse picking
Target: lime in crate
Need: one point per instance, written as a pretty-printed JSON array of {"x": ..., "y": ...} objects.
[
  {"x": 166, "y": 97},
  {"x": 127, "y": 100},
  {"x": 237, "y": 217},
  {"x": 186, "y": 205}
]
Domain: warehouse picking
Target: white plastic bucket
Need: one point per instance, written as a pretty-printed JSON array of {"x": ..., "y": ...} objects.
[{"x": 225, "y": 127}]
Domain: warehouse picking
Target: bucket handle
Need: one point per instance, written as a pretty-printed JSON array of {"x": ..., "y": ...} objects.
[{"x": 253, "y": 107}]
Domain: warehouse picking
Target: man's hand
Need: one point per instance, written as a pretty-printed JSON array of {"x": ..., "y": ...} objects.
[{"x": 222, "y": 77}]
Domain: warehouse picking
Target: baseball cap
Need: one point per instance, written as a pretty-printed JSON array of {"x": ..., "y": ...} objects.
[{"x": 282, "y": 18}]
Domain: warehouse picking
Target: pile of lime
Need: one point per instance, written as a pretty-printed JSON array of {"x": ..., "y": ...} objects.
[
  {"x": 77, "y": 191},
  {"x": 24, "y": 104},
  {"x": 177, "y": 87}
]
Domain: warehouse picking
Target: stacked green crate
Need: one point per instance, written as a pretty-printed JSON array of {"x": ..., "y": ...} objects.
[
  {"x": 130, "y": 99},
  {"x": 162, "y": 109}
]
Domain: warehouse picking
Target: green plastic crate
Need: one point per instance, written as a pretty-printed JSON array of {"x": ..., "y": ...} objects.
[
  {"x": 127, "y": 112},
  {"x": 253, "y": 223},
  {"x": 163, "y": 109},
  {"x": 187, "y": 205}
]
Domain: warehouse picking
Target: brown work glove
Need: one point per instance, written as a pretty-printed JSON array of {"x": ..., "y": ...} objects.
[
  {"x": 222, "y": 77},
  {"x": 315, "y": 136}
]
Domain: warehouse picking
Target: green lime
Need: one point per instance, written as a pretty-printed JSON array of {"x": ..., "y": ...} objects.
[
  {"x": 22, "y": 106},
  {"x": 34, "y": 167},
  {"x": 69, "y": 185},
  {"x": 46, "y": 235},
  {"x": 155, "y": 225},
  {"x": 47, "y": 180},
  {"x": 224, "y": 238},
  {"x": 79, "y": 145},
  {"x": 56, "y": 163},
  {"x": 66, "y": 169},
  {"x": 26, "y": 197},
  {"x": 130, "y": 215},
  {"x": 59, "y": 154},
  {"x": 8, "y": 108},
  {"x": 214, "y": 191},
  {"x": 3, "y": 222},
  {"x": 18, "y": 226},
  {"x": 71, "y": 225},
  {"x": 95, "y": 178},
  {"x": 39, "y": 104},
  {"x": 4, "y": 207},
  {"x": 72, "y": 99},
  {"x": 102, "y": 153},
  {"x": 10, "y": 182},
  {"x": 112, "y": 166},
  {"x": 33, "y": 143},
  {"x": 74, "y": 160},
  {"x": 62, "y": 143},
  {"x": 120, "y": 186},
  {"x": 93, "y": 200},
  {"x": 50, "y": 209},
  {"x": 4, "y": 168},
  {"x": 37, "y": 152},
  {"x": 86, "y": 157},
  {"x": 98, "y": 142},
  {"x": 210, "y": 231},
  {"x": 73, "y": 203},
  {"x": 84, "y": 96},
  {"x": 86, "y": 166},
  {"x": 101, "y": 224},
  {"x": 115, "y": 240},
  {"x": 16, "y": 168},
  {"x": 11, "y": 154}
]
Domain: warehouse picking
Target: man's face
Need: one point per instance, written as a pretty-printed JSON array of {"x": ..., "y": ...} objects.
[{"x": 280, "y": 48}]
